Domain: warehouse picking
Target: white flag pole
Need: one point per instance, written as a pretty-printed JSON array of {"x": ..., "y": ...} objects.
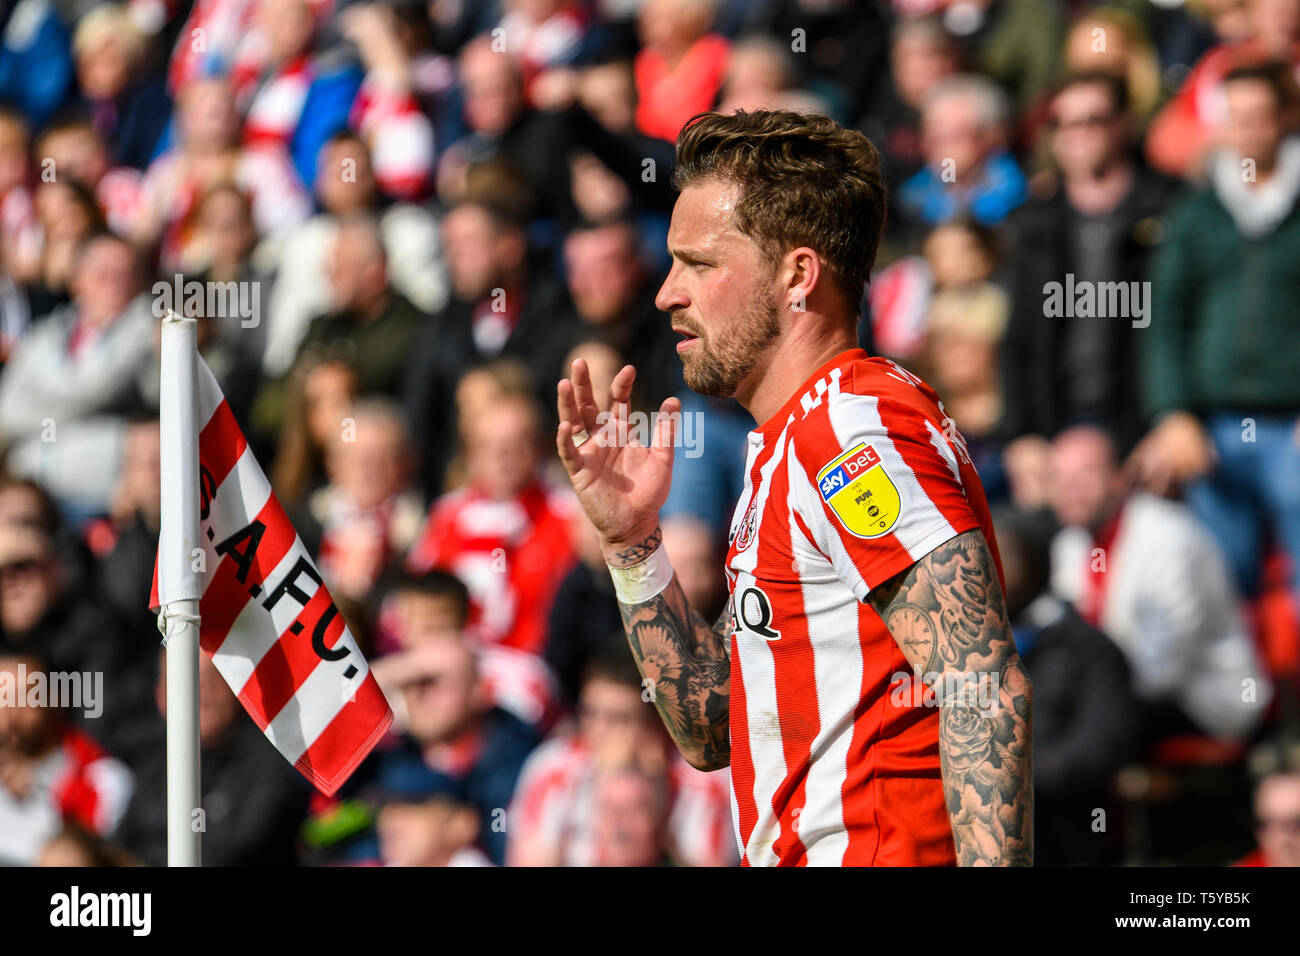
[{"x": 179, "y": 621}]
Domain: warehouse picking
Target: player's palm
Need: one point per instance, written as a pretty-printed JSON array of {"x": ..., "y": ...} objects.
[{"x": 621, "y": 482}]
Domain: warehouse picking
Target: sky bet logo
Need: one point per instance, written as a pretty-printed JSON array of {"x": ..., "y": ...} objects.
[
  {"x": 848, "y": 470},
  {"x": 859, "y": 492}
]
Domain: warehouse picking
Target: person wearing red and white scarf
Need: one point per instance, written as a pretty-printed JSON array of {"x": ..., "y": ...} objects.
[
  {"x": 386, "y": 112},
  {"x": 505, "y": 534},
  {"x": 207, "y": 153}
]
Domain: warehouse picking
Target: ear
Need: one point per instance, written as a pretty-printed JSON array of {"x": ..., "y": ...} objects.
[{"x": 800, "y": 275}]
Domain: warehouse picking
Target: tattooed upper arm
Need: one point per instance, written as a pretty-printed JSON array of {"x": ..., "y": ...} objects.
[
  {"x": 948, "y": 615},
  {"x": 948, "y": 606}
]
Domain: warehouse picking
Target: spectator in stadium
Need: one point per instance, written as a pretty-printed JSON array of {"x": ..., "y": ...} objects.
[
  {"x": 454, "y": 741},
  {"x": 387, "y": 112},
  {"x": 319, "y": 394},
  {"x": 968, "y": 168},
  {"x": 501, "y": 126},
  {"x": 680, "y": 67},
  {"x": 600, "y": 103},
  {"x": 964, "y": 328},
  {"x": 843, "y": 50},
  {"x": 505, "y": 534},
  {"x": 1219, "y": 374},
  {"x": 1100, "y": 225},
  {"x": 48, "y": 608},
  {"x": 542, "y": 33},
  {"x": 415, "y": 829},
  {"x": 130, "y": 541},
  {"x": 1122, "y": 49},
  {"x": 585, "y": 621},
  {"x": 126, "y": 101},
  {"x": 416, "y": 608},
  {"x": 372, "y": 324},
  {"x": 598, "y": 194},
  {"x": 613, "y": 295},
  {"x": 559, "y": 817},
  {"x": 223, "y": 249},
  {"x": 346, "y": 186},
  {"x": 75, "y": 373},
  {"x": 227, "y": 28},
  {"x": 1190, "y": 126},
  {"x": 206, "y": 151},
  {"x": 19, "y": 227},
  {"x": 1146, "y": 572},
  {"x": 292, "y": 99},
  {"x": 51, "y": 773},
  {"x": 229, "y": 313},
  {"x": 68, "y": 215},
  {"x": 367, "y": 515},
  {"x": 1277, "y": 820},
  {"x": 419, "y": 608},
  {"x": 76, "y": 152},
  {"x": 35, "y": 59},
  {"x": 27, "y": 503},
  {"x": 760, "y": 76},
  {"x": 696, "y": 552},
  {"x": 958, "y": 261},
  {"x": 1084, "y": 709},
  {"x": 921, "y": 54},
  {"x": 477, "y": 391},
  {"x": 500, "y": 306},
  {"x": 253, "y": 801},
  {"x": 1015, "y": 43},
  {"x": 629, "y": 819}
]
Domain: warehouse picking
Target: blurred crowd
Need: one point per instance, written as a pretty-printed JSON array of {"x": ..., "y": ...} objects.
[{"x": 403, "y": 221}]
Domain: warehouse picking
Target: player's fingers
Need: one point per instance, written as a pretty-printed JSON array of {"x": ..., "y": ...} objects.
[
  {"x": 620, "y": 393},
  {"x": 667, "y": 423},
  {"x": 587, "y": 408},
  {"x": 566, "y": 403},
  {"x": 665, "y": 434},
  {"x": 568, "y": 453}
]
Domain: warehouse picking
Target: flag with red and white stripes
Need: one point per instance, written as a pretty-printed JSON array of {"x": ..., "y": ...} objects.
[{"x": 267, "y": 619}]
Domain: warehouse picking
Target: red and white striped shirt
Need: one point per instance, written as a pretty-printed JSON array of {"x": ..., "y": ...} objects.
[{"x": 858, "y": 476}]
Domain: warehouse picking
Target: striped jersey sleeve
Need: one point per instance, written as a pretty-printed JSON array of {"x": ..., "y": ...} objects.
[{"x": 877, "y": 484}]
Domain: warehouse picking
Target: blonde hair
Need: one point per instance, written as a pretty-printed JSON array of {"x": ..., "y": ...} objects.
[{"x": 105, "y": 21}]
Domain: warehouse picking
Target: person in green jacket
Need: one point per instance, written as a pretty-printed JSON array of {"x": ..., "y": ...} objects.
[{"x": 1221, "y": 358}]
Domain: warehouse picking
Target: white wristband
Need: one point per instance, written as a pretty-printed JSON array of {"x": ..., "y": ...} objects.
[{"x": 642, "y": 581}]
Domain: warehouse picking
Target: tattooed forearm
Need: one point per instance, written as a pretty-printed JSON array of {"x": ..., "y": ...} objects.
[
  {"x": 689, "y": 666},
  {"x": 948, "y": 616}
]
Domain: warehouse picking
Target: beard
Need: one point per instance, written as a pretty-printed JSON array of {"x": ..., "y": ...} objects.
[{"x": 718, "y": 364}]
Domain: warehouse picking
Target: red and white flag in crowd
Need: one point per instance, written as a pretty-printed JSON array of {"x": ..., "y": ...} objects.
[{"x": 267, "y": 620}]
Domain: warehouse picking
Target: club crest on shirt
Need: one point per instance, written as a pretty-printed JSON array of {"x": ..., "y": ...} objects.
[
  {"x": 745, "y": 535},
  {"x": 860, "y": 493}
]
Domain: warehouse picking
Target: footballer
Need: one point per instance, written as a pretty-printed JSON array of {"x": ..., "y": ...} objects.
[{"x": 862, "y": 685}]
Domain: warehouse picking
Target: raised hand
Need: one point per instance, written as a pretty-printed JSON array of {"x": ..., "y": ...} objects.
[{"x": 621, "y": 483}]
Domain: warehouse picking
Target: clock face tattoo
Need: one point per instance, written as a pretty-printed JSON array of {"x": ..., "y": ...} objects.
[{"x": 912, "y": 629}]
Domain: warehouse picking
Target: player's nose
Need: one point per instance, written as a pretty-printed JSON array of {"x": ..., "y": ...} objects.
[{"x": 670, "y": 295}]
